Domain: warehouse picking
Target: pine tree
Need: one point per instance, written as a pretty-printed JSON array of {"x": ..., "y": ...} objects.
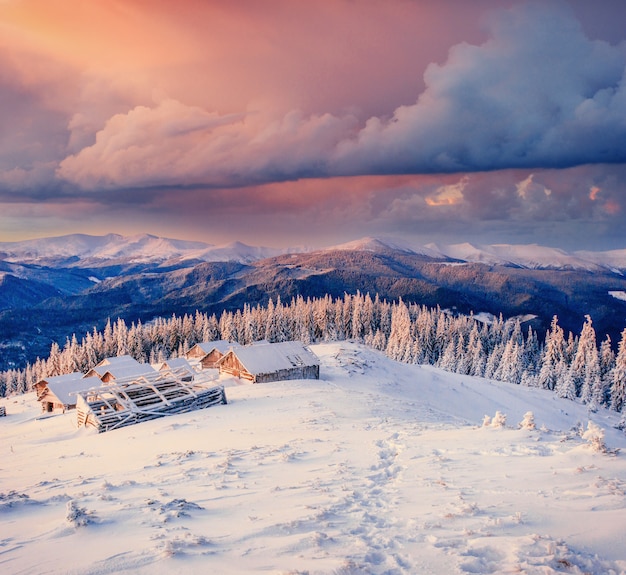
[
  {"x": 493, "y": 361},
  {"x": 447, "y": 360},
  {"x": 53, "y": 365},
  {"x": 565, "y": 386},
  {"x": 553, "y": 356},
  {"x": 400, "y": 337},
  {"x": 585, "y": 367},
  {"x": 618, "y": 377}
]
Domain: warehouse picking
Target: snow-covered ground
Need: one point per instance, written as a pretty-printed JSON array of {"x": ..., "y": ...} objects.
[{"x": 378, "y": 467}]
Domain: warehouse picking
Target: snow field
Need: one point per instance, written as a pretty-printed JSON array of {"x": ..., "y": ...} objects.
[{"x": 378, "y": 468}]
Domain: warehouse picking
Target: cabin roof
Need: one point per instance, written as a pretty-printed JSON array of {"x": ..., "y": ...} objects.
[
  {"x": 123, "y": 370},
  {"x": 118, "y": 360},
  {"x": 271, "y": 357},
  {"x": 64, "y": 387},
  {"x": 220, "y": 345},
  {"x": 175, "y": 363}
]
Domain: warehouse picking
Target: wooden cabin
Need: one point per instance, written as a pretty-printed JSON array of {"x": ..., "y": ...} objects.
[
  {"x": 111, "y": 369},
  {"x": 261, "y": 363},
  {"x": 152, "y": 395},
  {"x": 58, "y": 393},
  {"x": 180, "y": 365},
  {"x": 207, "y": 354}
]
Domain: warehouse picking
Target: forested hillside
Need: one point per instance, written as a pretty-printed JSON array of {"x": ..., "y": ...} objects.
[
  {"x": 573, "y": 366},
  {"x": 35, "y": 318}
]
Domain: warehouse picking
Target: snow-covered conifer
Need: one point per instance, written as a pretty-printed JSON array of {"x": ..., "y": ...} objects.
[
  {"x": 618, "y": 377},
  {"x": 499, "y": 419},
  {"x": 565, "y": 386},
  {"x": 528, "y": 422},
  {"x": 553, "y": 356}
]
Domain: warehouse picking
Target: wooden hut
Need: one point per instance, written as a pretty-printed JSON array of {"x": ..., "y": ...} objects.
[
  {"x": 207, "y": 354},
  {"x": 271, "y": 362},
  {"x": 152, "y": 395},
  {"x": 58, "y": 393}
]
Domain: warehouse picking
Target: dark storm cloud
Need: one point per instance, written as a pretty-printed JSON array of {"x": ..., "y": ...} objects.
[{"x": 538, "y": 93}]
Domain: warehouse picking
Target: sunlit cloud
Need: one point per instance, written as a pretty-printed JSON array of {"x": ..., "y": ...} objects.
[
  {"x": 449, "y": 195},
  {"x": 594, "y": 192}
]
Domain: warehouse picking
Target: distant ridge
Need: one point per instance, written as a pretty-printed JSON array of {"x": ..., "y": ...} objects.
[
  {"x": 83, "y": 250},
  {"x": 141, "y": 248},
  {"x": 529, "y": 256}
]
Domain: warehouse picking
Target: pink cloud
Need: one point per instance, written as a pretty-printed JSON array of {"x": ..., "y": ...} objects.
[
  {"x": 175, "y": 144},
  {"x": 538, "y": 93}
]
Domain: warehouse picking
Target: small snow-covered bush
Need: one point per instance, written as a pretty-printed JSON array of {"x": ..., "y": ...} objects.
[
  {"x": 528, "y": 422},
  {"x": 499, "y": 419},
  {"x": 78, "y": 516},
  {"x": 594, "y": 436}
]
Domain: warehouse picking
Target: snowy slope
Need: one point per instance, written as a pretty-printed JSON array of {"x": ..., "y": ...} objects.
[{"x": 376, "y": 468}]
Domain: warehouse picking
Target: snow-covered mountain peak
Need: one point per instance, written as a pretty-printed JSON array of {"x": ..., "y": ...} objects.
[
  {"x": 372, "y": 244},
  {"x": 531, "y": 256},
  {"x": 142, "y": 248}
]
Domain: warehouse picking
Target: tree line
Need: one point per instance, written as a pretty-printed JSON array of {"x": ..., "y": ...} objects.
[{"x": 572, "y": 366}]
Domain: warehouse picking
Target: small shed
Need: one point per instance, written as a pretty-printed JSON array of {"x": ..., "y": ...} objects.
[
  {"x": 152, "y": 395},
  {"x": 260, "y": 363},
  {"x": 207, "y": 354},
  {"x": 180, "y": 365},
  {"x": 122, "y": 367},
  {"x": 58, "y": 393}
]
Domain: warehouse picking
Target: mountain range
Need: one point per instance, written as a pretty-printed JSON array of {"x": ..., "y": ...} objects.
[
  {"x": 81, "y": 250},
  {"x": 53, "y": 287}
]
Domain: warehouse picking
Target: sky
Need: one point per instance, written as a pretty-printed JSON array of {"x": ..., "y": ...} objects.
[{"x": 287, "y": 123}]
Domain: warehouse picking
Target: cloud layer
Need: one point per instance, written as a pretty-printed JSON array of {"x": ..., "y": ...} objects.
[{"x": 537, "y": 94}]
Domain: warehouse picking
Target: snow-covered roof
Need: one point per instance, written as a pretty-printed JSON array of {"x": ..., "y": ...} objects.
[
  {"x": 118, "y": 360},
  {"x": 176, "y": 363},
  {"x": 65, "y": 386},
  {"x": 122, "y": 371},
  {"x": 121, "y": 367},
  {"x": 271, "y": 357},
  {"x": 220, "y": 345},
  {"x": 127, "y": 370}
]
